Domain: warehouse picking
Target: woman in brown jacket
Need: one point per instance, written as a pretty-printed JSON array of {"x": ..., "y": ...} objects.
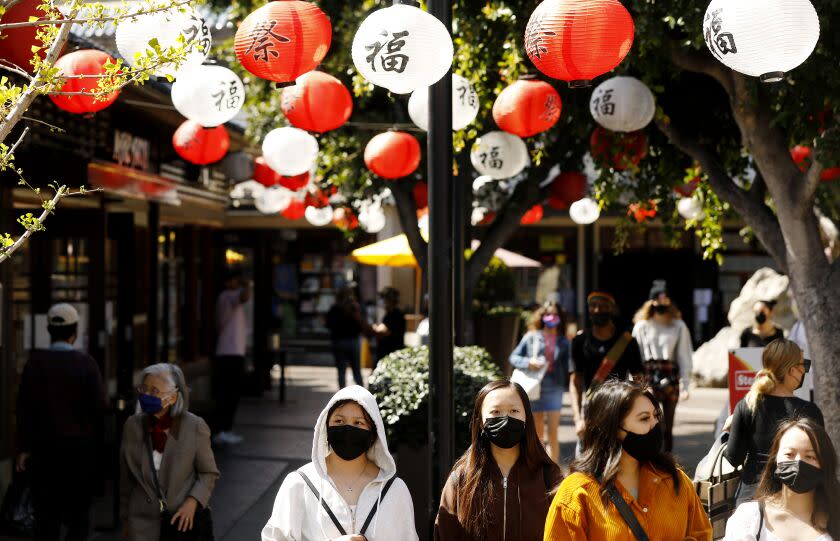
[{"x": 501, "y": 488}]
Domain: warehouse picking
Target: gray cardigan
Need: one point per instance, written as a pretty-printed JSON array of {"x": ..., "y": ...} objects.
[{"x": 188, "y": 468}]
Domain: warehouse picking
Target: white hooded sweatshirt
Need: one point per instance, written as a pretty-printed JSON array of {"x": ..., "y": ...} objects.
[{"x": 298, "y": 514}]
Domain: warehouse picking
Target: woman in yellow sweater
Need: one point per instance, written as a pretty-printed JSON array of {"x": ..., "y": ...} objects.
[{"x": 623, "y": 465}]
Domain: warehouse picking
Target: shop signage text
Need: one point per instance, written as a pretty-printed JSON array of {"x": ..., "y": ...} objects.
[{"x": 131, "y": 151}]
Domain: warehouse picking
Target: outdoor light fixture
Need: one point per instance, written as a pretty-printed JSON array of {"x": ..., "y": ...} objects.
[
  {"x": 210, "y": 95},
  {"x": 318, "y": 102},
  {"x": 465, "y": 104},
  {"x": 199, "y": 145},
  {"x": 283, "y": 40},
  {"x": 319, "y": 217},
  {"x": 584, "y": 211},
  {"x": 290, "y": 151},
  {"x": 527, "y": 107},
  {"x": 499, "y": 155},
  {"x": 168, "y": 28},
  {"x": 82, "y": 62},
  {"x": 761, "y": 38},
  {"x": 622, "y": 104},
  {"x": 578, "y": 40},
  {"x": 393, "y": 154},
  {"x": 402, "y": 48}
]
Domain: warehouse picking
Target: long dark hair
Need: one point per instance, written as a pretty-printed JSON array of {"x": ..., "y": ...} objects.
[
  {"x": 475, "y": 488},
  {"x": 828, "y": 492},
  {"x": 605, "y": 413}
]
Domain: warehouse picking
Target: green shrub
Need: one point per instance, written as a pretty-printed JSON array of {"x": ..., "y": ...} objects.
[
  {"x": 400, "y": 384},
  {"x": 497, "y": 284}
]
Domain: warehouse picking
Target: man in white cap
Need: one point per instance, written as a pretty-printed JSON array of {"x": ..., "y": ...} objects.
[{"x": 60, "y": 411}]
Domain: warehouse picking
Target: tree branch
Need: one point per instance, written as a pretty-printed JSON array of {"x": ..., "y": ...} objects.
[
  {"x": 14, "y": 68},
  {"x": 703, "y": 62},
  {"x": 407, "y": 212},
  {"x": 89, "y": 20},
  {"x": 812, "y": 180},
  {"x": 48, "y": 208},
  {"x": 749, "y": 205}
]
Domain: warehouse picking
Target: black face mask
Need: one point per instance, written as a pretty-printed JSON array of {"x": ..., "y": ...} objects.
[
  {"x": 600, "y": 319},
  {"x": 505, "y": 432},
  {"x": 349, "y": 442},
  {"x": 799, "y": 476},
  {"x": 644, "y": 447},
  {"x": 760, "y": 318},
  {"x": 660, "y": 309}
]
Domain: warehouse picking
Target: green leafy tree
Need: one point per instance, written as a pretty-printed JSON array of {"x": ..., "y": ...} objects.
[{"x": 730, "y": 130}]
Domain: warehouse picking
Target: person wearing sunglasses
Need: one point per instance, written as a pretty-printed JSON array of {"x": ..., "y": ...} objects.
[{"x": 771, "y": 401}]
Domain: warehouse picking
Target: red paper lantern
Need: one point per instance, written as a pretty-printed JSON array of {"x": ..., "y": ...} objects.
[
  {"x": 295, "y": 210},
  {"x": 527, "y": 107},
  {"x": 567, "y": 188},
  {"x": 393, "y": 154},
  {"x": 687, "y": 189},
  {"x": 282, "y": 40},
  {"x": 421, "y": 195},
  {"x": 319, "y": 198},
  {"x": 264, "y": 174},
  {"x": 488, "y": 218},
  {"x": 200, "y": 145},
  {"x": 83, "y": 62},
  {"x": 534, "y": 215},
  {"x": 318, "y": 102},
  {"x": 642, "y": 211},
  {"x": 802, "y": 158},
  {"x": 618, "y": 150},
  {"x": 17, "y": 43},
  {"x": 578, "y": 40},
  {"x": 294, "y": 183}
]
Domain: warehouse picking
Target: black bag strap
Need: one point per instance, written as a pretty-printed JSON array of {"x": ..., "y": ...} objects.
[
  {"x": 372, "y": 513},
  {"x": 760, "y": 519},
  {"x": 324, "y": 504},
  {"x": 627, "y": 513},
  {"x": 161, "y": 497}
]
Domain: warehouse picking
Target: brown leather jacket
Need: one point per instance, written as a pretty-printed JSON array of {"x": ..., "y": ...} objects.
[{"x": 518, "y": 510}]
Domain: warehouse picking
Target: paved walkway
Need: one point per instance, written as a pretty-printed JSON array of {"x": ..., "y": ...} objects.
[{"x": 278, "y": 439}]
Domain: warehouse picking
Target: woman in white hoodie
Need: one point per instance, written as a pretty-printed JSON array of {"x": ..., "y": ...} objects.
[{"x": 350, "y": 491}]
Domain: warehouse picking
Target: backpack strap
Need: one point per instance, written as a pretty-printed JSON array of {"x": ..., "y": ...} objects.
[
  {"x": 627, "y": 513},
  {"x": 376, "y": 505},
  {"x": 324, "y": 504}
]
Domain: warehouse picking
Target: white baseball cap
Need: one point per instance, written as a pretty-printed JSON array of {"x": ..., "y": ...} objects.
[{"x": 62, "y": 314}]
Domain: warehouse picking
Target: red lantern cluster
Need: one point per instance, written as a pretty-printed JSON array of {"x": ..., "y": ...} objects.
[
  {"x": 618, "y": 150},
  {"x": 200, "y": 145},
  {"x": 393, "y": 154},
  {"x": 527, "y": 107},
  {"x": 294, "y": 183},
  {"x": 17, "y": 44},
  {"x": 578, "y": 40},
  {"x": 264, "y": 174},
  {"x": 801, "y": 156},
  {"x": 421, "y": 195},
  {"x": 295, "y": 211},
  {"x": 283, "y": 40},
  {"x": 83, "y": 62},
  {"x": 345, "y": 219},
  {"x": 642, "y": 211},
  {"x": 319, "y": 198},
  {"x": 318, "y": 102},
  {"x": 534, "y": 215},
  {"x": 567, "y": 188}
]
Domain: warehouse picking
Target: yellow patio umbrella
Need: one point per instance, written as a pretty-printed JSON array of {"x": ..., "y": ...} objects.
[{"x": 392, "y": 252}]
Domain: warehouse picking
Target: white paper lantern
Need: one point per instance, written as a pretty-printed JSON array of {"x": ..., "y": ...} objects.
[
  {"x": 133, "y": 37},
  {"x": 372, "y": 219},
  {"x": 690, "y": 208},
  {"x": 622, "y": 104},
  {"x": 210, "y": 95},
  {"x": 478, "y": 214},
  {"x": 499, "y": 154},
  {"x": 274, "y": 200},
  {"x": 290, "y": 151},
  {"x": 402, "y": 48},
  {"x": 250, "y": 189},
  {"x": 318, "y": 217},
  {"x": 761, "y": 38},
  {"x": 481, "y": 181},
  {"x": 465, "y": 104},
  {"x": 584, "y": 211}
]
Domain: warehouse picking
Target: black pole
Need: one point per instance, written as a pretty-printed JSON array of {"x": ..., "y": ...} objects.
[
  {"x": 441, "y": 414},
  {"x": 459, "y": 244}
]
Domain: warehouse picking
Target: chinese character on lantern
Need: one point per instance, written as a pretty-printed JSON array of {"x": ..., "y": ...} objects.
[
  {"x": 552, "y": 108},
  {"x": 392, "y": 59},
  {"x": 604, "y": 103},
  {"x": 491, "y": 159},
  {"x": 264, "y": 41},
  {"x": 720, "y": 43},
  {"x": 198, "y": 31},
  {"x": 534, "y": 39}
]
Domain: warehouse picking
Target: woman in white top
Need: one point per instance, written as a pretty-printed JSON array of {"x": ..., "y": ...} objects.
[
  {"x": 665, "y": 344},
  {"x": 350, "y": 491},
  {"x": 798, "y": 493}
]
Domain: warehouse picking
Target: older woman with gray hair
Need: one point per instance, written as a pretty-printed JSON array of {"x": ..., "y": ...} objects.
[{"x": 167, "y": 466}]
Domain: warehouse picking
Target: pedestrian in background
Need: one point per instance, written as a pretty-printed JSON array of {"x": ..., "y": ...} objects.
[
  {"x": 346, "y": 323},
  {"x": 665, "y": 344},
  {"x": 167, "y": 467},
  {"x": 624, "y": 464},
  {"x": 502, "y": 485},
  {"x": 60, "y": 413},
  {"x": 229, "y": 363},
  {"x": 350, "y": 490},
  {"x": 390, "y": 334},
  {"x": 599, "y": 353},
  {"x": 545, "y": 346},
  {"x": 798, "y": 493},
  {"x": 752, "y": 426},
  {"x": 763, "y": 330}
]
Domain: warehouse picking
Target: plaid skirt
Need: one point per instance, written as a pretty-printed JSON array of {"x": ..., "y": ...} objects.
[{"x": 663, "y": 377}]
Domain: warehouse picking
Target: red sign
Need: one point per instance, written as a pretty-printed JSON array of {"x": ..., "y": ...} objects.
[{"x": 744, "y": 363}]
